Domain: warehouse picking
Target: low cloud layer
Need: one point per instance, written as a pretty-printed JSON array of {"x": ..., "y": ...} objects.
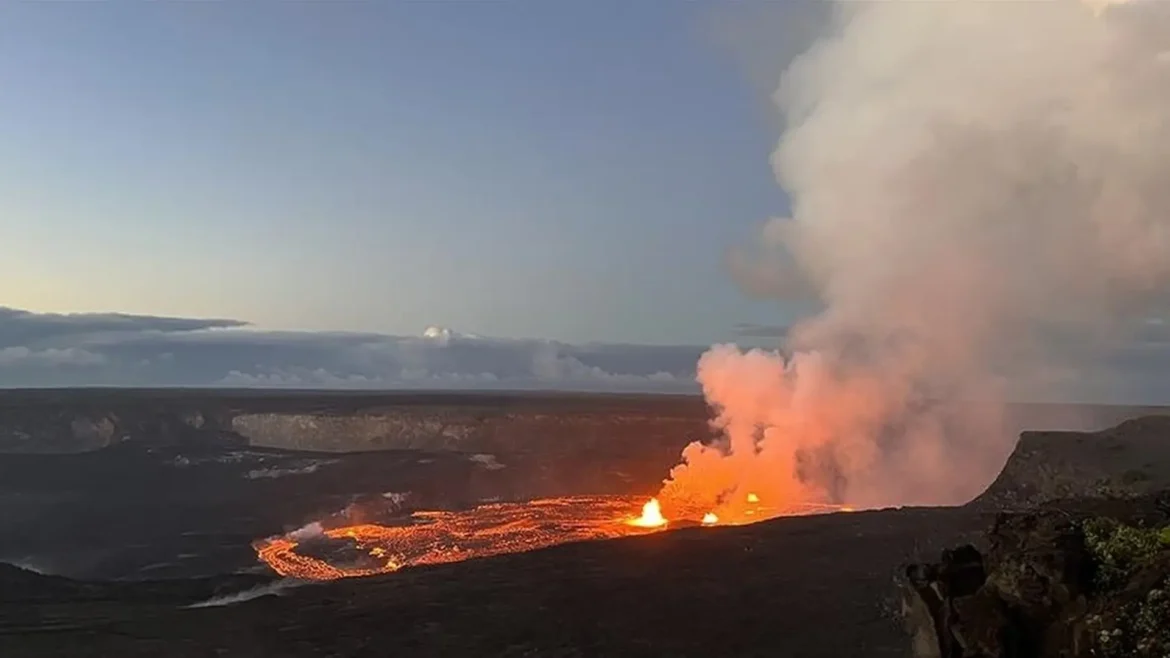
[
  {"x": 132, "y": 350},
  {"x": 91, "y": 349}
]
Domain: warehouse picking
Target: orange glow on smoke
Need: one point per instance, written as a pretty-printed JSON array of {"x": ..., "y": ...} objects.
[
  {"x": 736, "y": 510},
  {"x": 651, "y": 516}
]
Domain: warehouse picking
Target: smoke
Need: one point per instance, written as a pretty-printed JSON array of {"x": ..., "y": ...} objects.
[
  {"x": 308, "y": 532},
  {"x": 275, "y": 588},
  {"x": 978, "y": 199}
]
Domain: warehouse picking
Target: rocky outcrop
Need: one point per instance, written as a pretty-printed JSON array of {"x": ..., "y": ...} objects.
[
  {"x": 1076, "y": 564},
  {"x": 1076, "y": 580},
  {"x": 1131, "y": 459}
]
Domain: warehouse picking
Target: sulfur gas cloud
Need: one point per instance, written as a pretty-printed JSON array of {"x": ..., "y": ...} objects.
[{"x": 979, "y": 198}]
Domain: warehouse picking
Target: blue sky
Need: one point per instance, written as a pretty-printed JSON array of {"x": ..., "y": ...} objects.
[{"x": 512, "y": 168}]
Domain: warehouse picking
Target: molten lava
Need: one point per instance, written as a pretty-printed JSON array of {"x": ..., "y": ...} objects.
[
  {"x": 651, "y": 516},
  {"x": 435, "y": 537}
]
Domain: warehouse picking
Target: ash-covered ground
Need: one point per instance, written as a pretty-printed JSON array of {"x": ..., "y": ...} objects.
[{"x": 144, "y": 547}]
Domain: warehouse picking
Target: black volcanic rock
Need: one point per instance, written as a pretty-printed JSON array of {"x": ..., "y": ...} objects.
[
  {"x": 815, "y": 587},
  {"x": 1079, "y": 579}
]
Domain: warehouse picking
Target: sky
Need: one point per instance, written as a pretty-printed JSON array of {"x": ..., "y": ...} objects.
[
  {"x": 288, "y": 194},
  {"x": 566, "y": 171}
]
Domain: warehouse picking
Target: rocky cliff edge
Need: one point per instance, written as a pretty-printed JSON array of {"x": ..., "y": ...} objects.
[
  {"x": 1076, "y": 563},
  {"x": 1071, "y": 581},
  {"x": 1130, "y": 459}
]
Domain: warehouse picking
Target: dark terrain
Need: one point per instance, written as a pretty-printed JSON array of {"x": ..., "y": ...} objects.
[
  {"x": 143, "y": 503},
  {"x": 819, "y": 586},
  {"x": 1078, "y": 578}
]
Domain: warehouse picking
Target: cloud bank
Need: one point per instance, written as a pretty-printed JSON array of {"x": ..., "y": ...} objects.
[
  {"x": 90, "y": 349},
  {"x": 133, "y": 350}
]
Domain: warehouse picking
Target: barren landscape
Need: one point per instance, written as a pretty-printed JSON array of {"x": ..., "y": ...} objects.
[
  {"x": 147, "y": 544},
  {"x": 301, "y": 291}
]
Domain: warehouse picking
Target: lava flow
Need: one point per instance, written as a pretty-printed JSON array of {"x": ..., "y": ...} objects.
[{"x": 435, "y": 537}]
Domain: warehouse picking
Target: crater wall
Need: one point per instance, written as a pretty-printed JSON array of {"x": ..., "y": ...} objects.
[
  {"x": 55, "y": 422},
  {"x": 1127, "y": 460}
]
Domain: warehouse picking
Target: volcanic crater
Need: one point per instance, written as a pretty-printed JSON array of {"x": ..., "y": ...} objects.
[{"x": 192, "y": 539}]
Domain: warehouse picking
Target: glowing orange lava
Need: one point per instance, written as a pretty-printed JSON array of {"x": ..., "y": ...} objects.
[
  {"x": 651, "y": 516},
  {"x": 436, "y": 537}
]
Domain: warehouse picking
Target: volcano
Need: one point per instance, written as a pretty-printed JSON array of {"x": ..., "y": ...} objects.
[{"x": 533, "y": 535}]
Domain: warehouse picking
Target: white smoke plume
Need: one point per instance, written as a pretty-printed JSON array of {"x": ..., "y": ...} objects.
[
  {"x": 275, "y": 588},
  {"x": 979, "y": 193}
]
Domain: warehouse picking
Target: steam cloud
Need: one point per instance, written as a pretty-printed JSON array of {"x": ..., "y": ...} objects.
[{"x": 979, "y": 192}]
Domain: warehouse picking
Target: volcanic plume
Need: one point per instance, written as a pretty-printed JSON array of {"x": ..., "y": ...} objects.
[{"x": 978, "y": 202}]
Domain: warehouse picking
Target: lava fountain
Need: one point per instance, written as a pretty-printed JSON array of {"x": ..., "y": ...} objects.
[{"x": 651, "y": 516}]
